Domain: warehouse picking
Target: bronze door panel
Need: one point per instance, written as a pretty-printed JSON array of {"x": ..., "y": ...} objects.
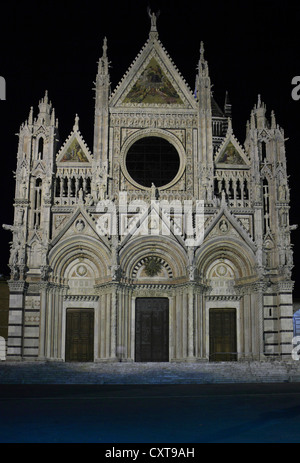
[
  {"x": 152, "y": 330},
  {"x": 80, "y": 335},
  {"x": 222, "y": 335}
]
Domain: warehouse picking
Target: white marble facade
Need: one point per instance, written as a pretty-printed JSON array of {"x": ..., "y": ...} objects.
[{"x": 61, "y": 258}]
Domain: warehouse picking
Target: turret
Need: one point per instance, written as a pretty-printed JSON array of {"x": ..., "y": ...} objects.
[
  {"x": 33, "y": 193},
  {"x": 266, "y": 146}
]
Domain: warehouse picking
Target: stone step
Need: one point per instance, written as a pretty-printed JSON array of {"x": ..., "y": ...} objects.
[{"x": 134, "y": 373}]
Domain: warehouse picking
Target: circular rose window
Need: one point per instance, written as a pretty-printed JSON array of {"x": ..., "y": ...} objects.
[{"x": 152, "y": 160}]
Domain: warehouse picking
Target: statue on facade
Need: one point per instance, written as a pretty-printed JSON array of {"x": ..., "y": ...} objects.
[
  {"x": 153, "y": 191},
  {"x": 153, "y": 18}
]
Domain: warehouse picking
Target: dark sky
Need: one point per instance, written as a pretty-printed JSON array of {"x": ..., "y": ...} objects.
[{"x": 252, "y": 48}]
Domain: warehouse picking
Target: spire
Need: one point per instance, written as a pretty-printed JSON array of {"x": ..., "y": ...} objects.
[
  {"x": 104, "y": 48},
  {"x": 103, "y": 63},
  {"x": 202, "y": 66},
  {"x": 201, "y": 51},
  {"x": 273, "y": 120},
  {"x": 102, "y": 89},
  {"x": 30, "y": 118},
  {"x": 53, "y": 117},
  {"x": 258, "y": 101},
  {"x": 44, "y": 110},
  {"x": 260, "y": 112}
]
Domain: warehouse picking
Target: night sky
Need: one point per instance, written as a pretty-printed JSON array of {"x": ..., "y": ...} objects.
[{"x": 251, "y": 47}]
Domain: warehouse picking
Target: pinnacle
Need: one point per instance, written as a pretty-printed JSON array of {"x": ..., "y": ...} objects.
[
  {"x": 202, "y": 49},
  {"x": 104, "y": 48}
]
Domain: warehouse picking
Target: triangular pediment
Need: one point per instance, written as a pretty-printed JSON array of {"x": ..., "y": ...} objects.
[
  {"x": 74, "y": 151},
  {"x": 153, "y": 86},
  {"x": 231, "y": 156},
  {"x": 230, "y": 153},
  {"x": 153, "y": 221},
  {"x": 38, "y": 168},
  {"x": 79, "y": 223},
  {"x": 225, "y": 225},
  {"x": 35, "y": 237},
  {"x": 153, "y": 80}
]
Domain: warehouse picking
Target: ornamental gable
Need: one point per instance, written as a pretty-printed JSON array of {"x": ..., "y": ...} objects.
[{"x": 153, "y": 80}]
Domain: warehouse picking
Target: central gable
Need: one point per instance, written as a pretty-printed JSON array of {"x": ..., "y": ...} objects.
[
  {"x": 153, "y": 80},
  {"x": 153, "y": 86}
]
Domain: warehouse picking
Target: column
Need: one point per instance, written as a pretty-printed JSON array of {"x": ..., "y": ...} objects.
[
  {"x": 259, "y": 321},
  {"x": 190, "y": 340},
  {"x": 43, "y": 292},
  {"x": 114, "y": 306}
]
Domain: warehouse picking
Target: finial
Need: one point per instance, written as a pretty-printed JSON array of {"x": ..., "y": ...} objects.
[
  {"x": 53, "y": 117},
  {"x": 201, "y": 50},
  {"x": 76, "y": 125},
  {"x": 30, "y": 118},
  {"x": 258, "y": 102},
  {"x": 104, "y": 47},
  {"x": 273, "y": 120}
]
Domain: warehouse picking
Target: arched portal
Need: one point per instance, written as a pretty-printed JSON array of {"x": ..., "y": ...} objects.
[
  {"x": 229, "y": 311},
  {"x": 222, "y": 311},
  {"x": 155, "y": 266},
  {"x": 72, "y": 307}
]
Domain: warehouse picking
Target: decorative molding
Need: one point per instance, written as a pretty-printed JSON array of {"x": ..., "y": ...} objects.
[
  {"x": 17, "y": 286},
  {"x": 83, "y": 298},
  {"x": 224, "y": 298}
]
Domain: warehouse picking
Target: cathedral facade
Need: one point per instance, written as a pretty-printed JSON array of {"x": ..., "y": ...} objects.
[{"x": 169, "y": 241}]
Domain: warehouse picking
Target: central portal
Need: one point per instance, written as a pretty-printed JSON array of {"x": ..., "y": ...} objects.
[{"x": 152, "y": 330}]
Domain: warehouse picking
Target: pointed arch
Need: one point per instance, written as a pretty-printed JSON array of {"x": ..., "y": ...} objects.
[
  {"x": 168, "y": 251},
  {"x": 87, "y": 250},
  {"x": 232, "y": 249},
  {"x": 40, "y": 147}
]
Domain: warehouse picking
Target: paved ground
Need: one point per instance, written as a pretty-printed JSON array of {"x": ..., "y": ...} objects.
[
  {"x": 148, "y": 373},
  {"x": 155, "y": 403},
  {"x": 157, "y": 414}
]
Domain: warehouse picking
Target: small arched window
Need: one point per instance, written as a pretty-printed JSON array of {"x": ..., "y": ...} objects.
[
  {"x": 37, "y": 203},
  {"x": 266, "y": 202},
  {"x": 263, "y": 148},
  {"x": 41, "y": 148}
]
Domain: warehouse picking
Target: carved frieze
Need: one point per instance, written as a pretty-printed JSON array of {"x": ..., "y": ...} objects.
[{"x": 159, "y": 119}]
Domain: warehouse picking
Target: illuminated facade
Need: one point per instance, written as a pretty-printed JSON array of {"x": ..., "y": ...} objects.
[{"x": 82, "y": 289}]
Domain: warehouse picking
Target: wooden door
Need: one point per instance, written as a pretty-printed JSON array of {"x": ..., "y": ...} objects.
[
  {"x": 222, "y": 335},
  {"x": 80, "y": 335},
  {"x": 152, "y": 330}
]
